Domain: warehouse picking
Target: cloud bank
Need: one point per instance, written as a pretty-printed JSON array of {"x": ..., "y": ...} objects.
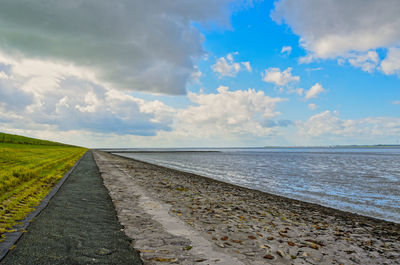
[
  {"x": 241, "y": 113},
  {"x": 350, "y": 30},
  {"x": 329, "y": 125},
  {"x": 35, "y": 95},
  {"x": 41, "y": 98},
  {"x": 146, "y": 45},
  {"x": 331, "y": 28}
]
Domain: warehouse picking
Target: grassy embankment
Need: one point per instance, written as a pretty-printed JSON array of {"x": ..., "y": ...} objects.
[{"x": 29, "y": 168}]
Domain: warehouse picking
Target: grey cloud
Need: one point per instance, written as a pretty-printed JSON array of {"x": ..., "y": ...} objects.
[
  {"x": 12, "y": 98},
  {"x": 147, "y": 45}
]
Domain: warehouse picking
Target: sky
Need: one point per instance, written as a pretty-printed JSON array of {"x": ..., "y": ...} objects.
[{"x": 201, "y": 73}]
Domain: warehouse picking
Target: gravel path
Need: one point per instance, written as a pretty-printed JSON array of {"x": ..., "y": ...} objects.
[
  {"x": 182, "y": 218},
  {"x": 79, "y": 226}
]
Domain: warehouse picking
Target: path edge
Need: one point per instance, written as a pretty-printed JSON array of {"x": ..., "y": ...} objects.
[{"x": 13, "y": 237}]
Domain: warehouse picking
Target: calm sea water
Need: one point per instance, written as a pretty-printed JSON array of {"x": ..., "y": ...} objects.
[{"x": 365, "y": 181}]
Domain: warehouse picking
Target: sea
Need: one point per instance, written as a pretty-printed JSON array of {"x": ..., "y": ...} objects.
[{"x": 359, "y": 180}]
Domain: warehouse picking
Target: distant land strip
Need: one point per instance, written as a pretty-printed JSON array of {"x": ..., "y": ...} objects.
[
  {"x": 171, "y": 151},
  {"x": 338, "y": 146}
]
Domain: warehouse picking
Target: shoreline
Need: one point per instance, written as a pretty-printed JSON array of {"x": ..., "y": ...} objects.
[
  {"x": 250, "y": 225},
  {"x": 293, "y": 200}
]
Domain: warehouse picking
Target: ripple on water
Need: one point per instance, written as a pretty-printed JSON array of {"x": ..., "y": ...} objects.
[{"x": 356, "y": 180}]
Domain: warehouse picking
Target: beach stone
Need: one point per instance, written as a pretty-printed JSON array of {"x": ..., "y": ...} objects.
[{"x": 269, "y": 256}]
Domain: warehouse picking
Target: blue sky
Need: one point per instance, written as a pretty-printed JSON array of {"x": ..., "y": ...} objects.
[{"x": 201, "y": 73}]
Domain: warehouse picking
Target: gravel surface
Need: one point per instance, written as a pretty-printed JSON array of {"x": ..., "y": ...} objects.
[
  {"x": 79, "y": 226},
  {"x": 182, "y": 218}
]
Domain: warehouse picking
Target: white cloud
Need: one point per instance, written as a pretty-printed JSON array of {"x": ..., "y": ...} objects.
[
  {"x": 314, "y": 91},
  {"x": 348, "y": 30},
  {"x": 391, "y": 63},
  {"x": 322, "y": 123},
  {"x": 137, "y": 45},
  {"x": 226, "y": 66},
  {"x": 312, "y": 106},
  {"x": 367, "y": 61},
  {"x": 275, "y": 76},
  {"x": 247, "y": 66},
  {"x": 286, "y": 49},
  {"x": 242, "y": 113},
  {"x": 338, "y": 27},
  {"x": 328, "y": 125}
]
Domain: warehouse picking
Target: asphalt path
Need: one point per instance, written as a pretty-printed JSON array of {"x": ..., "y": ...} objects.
[{"x": 79, "y": 226}]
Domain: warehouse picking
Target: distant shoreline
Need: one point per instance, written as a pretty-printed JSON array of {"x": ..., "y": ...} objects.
[
  {"x": 169, "y": 151},
  {"x": 210, "y": 149},
  {"x": 337, "y": 146}
]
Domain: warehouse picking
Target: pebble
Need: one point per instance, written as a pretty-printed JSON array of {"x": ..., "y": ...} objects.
[{"x": 269, "y": 256}]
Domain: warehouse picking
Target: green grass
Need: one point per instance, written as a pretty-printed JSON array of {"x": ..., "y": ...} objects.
[
  {"x": 17, "y": 139},
  {"x": 29, "y": 169}
]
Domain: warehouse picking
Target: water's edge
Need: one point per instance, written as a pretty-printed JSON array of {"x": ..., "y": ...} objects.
[{"x": 327, "y": 209}]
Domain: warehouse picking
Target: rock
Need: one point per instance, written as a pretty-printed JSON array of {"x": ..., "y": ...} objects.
[
  {"x": 315, "y": 242},
  {"x": 282, "y": 234},
  {"x": 252, "y": 237},
  {"x": 314, "y": 246},
  {"x": 224, "y": 238},
  {"x": 290, "y": 243},
  {"x": 355, "y": 260},
  {"x": 104, "y": 251},
  {"x": 160, "y": 259},
  {"x": 269, "y": 256},
  {"x": 220, "y": 245}
]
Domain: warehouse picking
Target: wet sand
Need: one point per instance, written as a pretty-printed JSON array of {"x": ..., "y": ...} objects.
[{"x": 182, "y": 218}]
